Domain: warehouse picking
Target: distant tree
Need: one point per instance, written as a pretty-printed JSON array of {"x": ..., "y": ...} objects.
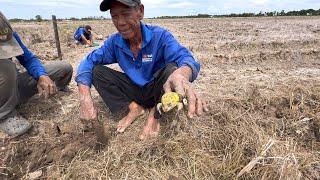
[
  {"x": 260, "y": 14},
  {"x": 73, "y": 19},
  {"x": 204, "y": 16},
  {"x": 39, "y": 18},
  {"x": 16, "y": 20},
  {"x": 269, "y": 13}
]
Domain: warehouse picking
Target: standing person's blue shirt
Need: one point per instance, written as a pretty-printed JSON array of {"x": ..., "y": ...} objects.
[
  {"x": 158, "y": 49},
  {"x": 29, "y": 60}
]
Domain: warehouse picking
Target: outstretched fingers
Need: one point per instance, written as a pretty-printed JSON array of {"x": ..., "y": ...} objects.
[
  {"x": 205, "y": 106},
  {"x": 199, "y": 104},
  {"x": 196, "y": 104},
  {"x": 191, "y": 102}
]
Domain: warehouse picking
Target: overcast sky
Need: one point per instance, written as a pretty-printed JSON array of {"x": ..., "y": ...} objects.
[{"x": 153, "y": 8}]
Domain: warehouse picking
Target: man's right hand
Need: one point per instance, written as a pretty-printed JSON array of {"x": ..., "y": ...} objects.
[
  {"x": 46, "y": 87},
  {"x": 87, "y": 108},
  {"x": 178, "y": 82},
  {"x": 88, "y": 43}
]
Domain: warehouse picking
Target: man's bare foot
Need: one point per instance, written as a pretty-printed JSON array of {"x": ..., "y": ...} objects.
[
  {"x": 152, "y": 127},
  {"x": 135, "y": 110}
]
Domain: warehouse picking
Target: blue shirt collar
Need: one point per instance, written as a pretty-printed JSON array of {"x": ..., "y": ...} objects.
[{"x": 146, "y": 37}]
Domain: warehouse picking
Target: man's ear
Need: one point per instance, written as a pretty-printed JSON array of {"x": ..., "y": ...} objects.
[{"x": 141, "y": 14}]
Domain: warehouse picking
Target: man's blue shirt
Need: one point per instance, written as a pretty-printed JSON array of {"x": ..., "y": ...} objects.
[
  {"x": 158, "y": 49},
  {"x": 29, "y": 60}
]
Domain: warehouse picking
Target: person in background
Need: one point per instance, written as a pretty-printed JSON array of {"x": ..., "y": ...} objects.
[
  {"x": 16, "y": 87},
  {"x": 83, "y": 35}
]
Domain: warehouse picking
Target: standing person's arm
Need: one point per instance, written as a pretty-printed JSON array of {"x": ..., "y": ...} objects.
[{"x": 103, "y": 55}]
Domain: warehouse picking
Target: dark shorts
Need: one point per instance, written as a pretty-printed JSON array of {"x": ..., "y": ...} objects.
[{"x": 118, "y": 91}]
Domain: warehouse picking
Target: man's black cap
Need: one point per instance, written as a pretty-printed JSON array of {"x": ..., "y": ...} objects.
[{"x": 105, "y": 4}]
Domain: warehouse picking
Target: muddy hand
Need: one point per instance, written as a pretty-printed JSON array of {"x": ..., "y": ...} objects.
[
  {"x": 46, "y": 87},
  {"x": 87, "y": 109},
  {"x": 179, "y": 83}
]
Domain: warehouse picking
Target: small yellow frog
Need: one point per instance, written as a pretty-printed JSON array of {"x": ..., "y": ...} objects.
[{"x": 169, "y": 101}]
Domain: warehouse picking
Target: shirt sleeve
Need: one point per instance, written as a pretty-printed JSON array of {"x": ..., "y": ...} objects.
[
  {"x": 29, "y": 60},
  {"x": 79, "y": 32},
  {"x": 76, "y": 34},
  {"x": 103, "y": 55},
  {"x": 174, "y": 52}
]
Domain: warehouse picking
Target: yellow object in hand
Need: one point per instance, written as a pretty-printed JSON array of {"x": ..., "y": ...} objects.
[{"x": 171, "y": 100}]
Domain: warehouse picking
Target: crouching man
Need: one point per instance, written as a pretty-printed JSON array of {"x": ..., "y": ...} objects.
[
  {"x": 15, "y": 87},
  {"x": 83, "y": 35},
  {"x": 153, "y": 63}
]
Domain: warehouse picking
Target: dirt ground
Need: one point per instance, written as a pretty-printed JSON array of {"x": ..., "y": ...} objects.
[{"x": 260, "y": 76}]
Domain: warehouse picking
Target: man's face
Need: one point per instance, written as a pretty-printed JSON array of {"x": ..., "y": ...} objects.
[
  {"x": 126, "y": 19},
  {"x": 87, "y": 31}
]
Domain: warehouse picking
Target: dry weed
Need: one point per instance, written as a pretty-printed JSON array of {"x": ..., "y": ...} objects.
[{"x": 261, "y": 79}]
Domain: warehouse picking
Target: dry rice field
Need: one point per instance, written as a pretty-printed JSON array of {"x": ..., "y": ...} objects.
[{"x": 260, "y": 76}]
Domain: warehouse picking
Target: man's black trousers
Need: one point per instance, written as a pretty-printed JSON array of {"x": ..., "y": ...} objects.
[{"x": 118, "y": 91}]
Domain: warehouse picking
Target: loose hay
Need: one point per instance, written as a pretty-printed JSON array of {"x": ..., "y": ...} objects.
[{"x": 260, "y": 77}]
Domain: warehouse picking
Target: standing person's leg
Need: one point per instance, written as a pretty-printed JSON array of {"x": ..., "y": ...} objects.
[
  {"x": 10, "y": 123},
  {"x": 119, "y": 93},
  {"x": 59, "y": 71},
  {"x": 153, "y": 93}
]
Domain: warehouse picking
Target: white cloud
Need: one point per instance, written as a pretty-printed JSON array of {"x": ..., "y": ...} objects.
[
  {"x": 182, "y": 5},
  {"x": 153, "y": 8},
  {"x": 50, "y": 3},
  {"x": 168, "y": 4},
  {"x": 260, "y": 2}
]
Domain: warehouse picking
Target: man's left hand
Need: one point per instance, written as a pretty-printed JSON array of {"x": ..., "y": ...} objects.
[
  {"x": 46, "y": 87},
  {"x": 178, "y": 82}
]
